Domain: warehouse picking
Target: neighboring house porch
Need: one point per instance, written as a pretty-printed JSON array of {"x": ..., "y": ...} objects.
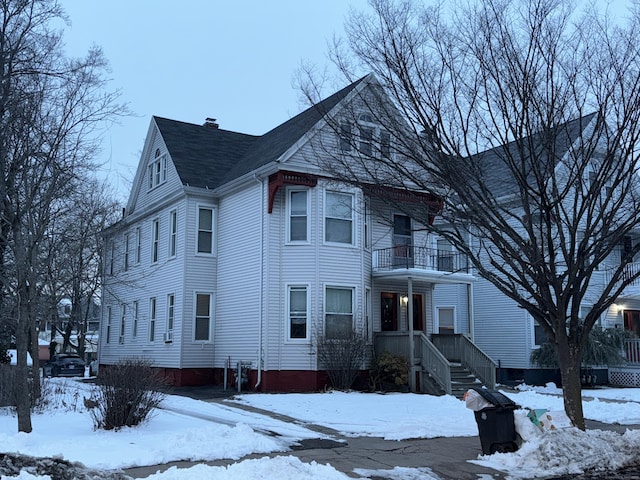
[{"x": 627, "y": 309}]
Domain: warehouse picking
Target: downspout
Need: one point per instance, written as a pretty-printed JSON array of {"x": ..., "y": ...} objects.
[
  {"x": 261, "y": 299},
  {"x": 470, "y": 306}
]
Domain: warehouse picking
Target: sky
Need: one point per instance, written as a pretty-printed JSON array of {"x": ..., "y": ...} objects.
[
  {"x": 189, "y": 60},
  {"x": 187, "y": 429}
]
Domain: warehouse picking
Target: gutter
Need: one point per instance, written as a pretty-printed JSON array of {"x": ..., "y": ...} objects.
[{"x": 261, "y": 300}]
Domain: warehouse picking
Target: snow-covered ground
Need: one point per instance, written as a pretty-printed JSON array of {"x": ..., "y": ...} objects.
[{"x": 187, "y": 429}]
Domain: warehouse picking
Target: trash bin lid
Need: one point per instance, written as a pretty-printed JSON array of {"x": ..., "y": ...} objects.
[{"x": 496, "y": 398}]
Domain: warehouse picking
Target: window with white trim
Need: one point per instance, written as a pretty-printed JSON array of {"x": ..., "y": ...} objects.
[
  {"x": 385, "y": 144},
  {"x": 123, "y": 321},
  {"x": 202, "y": 330},
  {"x": 155, "y": 240},
  {"x": 298, "y": 313},
  {"x": 136, "y": 313},
  {"x": 108, "y": 333},
  {"x": 345, "y": 136},
  {"x": 298, "y": 212},
  {"x": 338, "y": 218},
  {"x": 366, "y": 140},
  {"x": 338, "y": 309},
  {"x": 173, "y": 232},
  {"x": 205, "y": 230},
  {"x": 171, "y": 304},
  {"x": 138, "y": 253},
  {"x": 152, "y": 318},
  {"x": 157, "y": 170},
  {"x": 126, "y": 252},
  {"x": 112, "y": 257}
]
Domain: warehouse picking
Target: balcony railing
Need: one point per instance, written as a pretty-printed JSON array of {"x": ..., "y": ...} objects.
[
  {"x": 632, "y": 350},
  {"x": 630, "y": 270},
  {"x": 409, "y": 256}
]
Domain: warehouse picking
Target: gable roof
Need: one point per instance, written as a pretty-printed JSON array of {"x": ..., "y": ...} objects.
[
  {"x": 500, "y": 180},
  {"x": 209, "y": 157}
]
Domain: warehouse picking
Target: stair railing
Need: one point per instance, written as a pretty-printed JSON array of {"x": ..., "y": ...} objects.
[
  {"x": 462, "y": 349},
  {"x": 434, "y": 362}
]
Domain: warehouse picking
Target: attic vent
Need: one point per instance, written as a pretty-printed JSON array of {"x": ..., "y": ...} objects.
[{"x": 211, "y": 122}]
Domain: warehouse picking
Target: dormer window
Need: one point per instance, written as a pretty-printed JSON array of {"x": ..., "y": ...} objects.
[{"x": 157, "y": 170}]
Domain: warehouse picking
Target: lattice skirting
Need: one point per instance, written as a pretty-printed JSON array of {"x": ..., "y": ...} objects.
[{"x": 624, "y": 377}]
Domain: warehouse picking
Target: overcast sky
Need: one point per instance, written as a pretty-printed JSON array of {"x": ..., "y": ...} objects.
[{"x": 231, "y": 60}]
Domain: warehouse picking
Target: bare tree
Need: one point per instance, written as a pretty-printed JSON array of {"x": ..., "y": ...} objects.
[
  {"x": 50, "y": 109},
  {"x": 522, "y": 118},
  {"x": 73, "y": 263}
]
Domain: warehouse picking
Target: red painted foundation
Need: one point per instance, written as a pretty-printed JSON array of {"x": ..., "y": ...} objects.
[{"x": 271, "y": 381}]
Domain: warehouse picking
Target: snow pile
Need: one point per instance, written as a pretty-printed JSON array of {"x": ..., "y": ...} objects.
[{"x": 567, "y": 451}]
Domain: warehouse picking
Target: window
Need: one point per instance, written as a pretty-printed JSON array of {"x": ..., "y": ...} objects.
[
  {"x": 203, "y": 317},
  {"x": 366, "y": 140},
  {"x": 157, "y": 170},
  {"x": 108, "y": 335},
  {"x": 298, "y": 313},
  {"x": 539, "y": 335},
  {"x": 155, "y": 239},
  {"x": 112, "y": 256},
  {"x": 367, "y": 225},
  {"x": 445, "y": 255},
  {"x": 205, "y": 230},
  {"x": 152, "y": 319},
  {"x": 126, "y": 252},
  {"x": 173, "y": 232},
  {"x": 138, "y": 245},
  {"x": 345, "y": 137},
  {"x": 338, "y": 218},
  {"x": 136, "y": 312},
  {"x": 123, "y": 321},
  {"x": 385, "y": 144},
  {"x": 171, "y": 302},
  {"x": 367, "y": 314},
  {"x": 298, "y": 213},
  {"x": 338, "y": 312}
]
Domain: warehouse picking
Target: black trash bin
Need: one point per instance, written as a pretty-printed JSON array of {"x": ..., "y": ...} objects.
[{"x": 496, "y": 426}]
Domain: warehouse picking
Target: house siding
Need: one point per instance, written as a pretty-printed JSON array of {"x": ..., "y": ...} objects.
[
  {"x": 141, "y": 282},
  {"x": 239, "y": 269}
]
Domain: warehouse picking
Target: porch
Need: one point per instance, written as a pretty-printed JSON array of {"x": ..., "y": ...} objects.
[
  {"x": 437, "y": 359},
  {"x": 627, "y": 375}
]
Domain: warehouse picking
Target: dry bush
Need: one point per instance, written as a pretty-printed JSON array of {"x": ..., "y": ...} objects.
[
  {"x": 126, "y": 394},
  {"x": 343, "y": 358}
]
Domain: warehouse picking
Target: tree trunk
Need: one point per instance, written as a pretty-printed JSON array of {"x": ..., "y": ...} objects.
[
  {"x": 572, "y": 388},
  {"x": 22, "y": 394}
]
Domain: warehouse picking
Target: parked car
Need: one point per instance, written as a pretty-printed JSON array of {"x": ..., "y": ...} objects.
[{"x": 64, "y": 365}]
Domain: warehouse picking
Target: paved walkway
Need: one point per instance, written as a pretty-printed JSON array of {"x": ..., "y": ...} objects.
[{"x": 447, "y": 457}]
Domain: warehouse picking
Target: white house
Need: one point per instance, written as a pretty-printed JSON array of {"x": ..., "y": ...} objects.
[
  {"x": 240, "y": 248},
  {"x": 506, "y": 332}
]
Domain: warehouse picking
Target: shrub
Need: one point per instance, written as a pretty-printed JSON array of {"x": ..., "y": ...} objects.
[
  {"x": 603, "y": 347},
  {"x": 389, "y": 372},
  {"x": 343, "y": 358},
  {"x": 126, "y": 394}
]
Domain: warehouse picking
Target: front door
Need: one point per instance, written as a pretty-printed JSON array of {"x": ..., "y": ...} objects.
[
  {"x": 445, "y": 317},
  {"x": 632, "y": 321},
  {"x": 389, "y": 311},
  {"x": 418, "y": 317}
]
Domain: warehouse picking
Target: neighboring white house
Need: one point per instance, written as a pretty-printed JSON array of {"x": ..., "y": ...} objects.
[
  {"x": 506, "y": 332},
  {"x": 239, "y": 248}
]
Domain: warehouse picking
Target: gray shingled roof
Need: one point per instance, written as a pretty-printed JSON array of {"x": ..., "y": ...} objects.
[
  {"x": 209, "y": 157},
  {"x": 500, "y": 179}
]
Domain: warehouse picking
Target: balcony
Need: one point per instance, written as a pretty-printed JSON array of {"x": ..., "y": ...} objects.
[
  {"x": 632, "y": 290},
  {"x": 441, "y": 266}
]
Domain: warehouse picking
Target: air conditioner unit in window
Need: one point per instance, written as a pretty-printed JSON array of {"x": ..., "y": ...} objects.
[
  {"x": 168, "y": 337},
  {"x": 121, "y": 339}
]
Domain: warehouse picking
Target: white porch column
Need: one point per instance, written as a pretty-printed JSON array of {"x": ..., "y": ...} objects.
[{"x": 412, "y": 356}]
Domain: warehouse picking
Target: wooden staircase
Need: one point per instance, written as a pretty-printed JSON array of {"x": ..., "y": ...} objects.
[{"x": 462, "y": 380}]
